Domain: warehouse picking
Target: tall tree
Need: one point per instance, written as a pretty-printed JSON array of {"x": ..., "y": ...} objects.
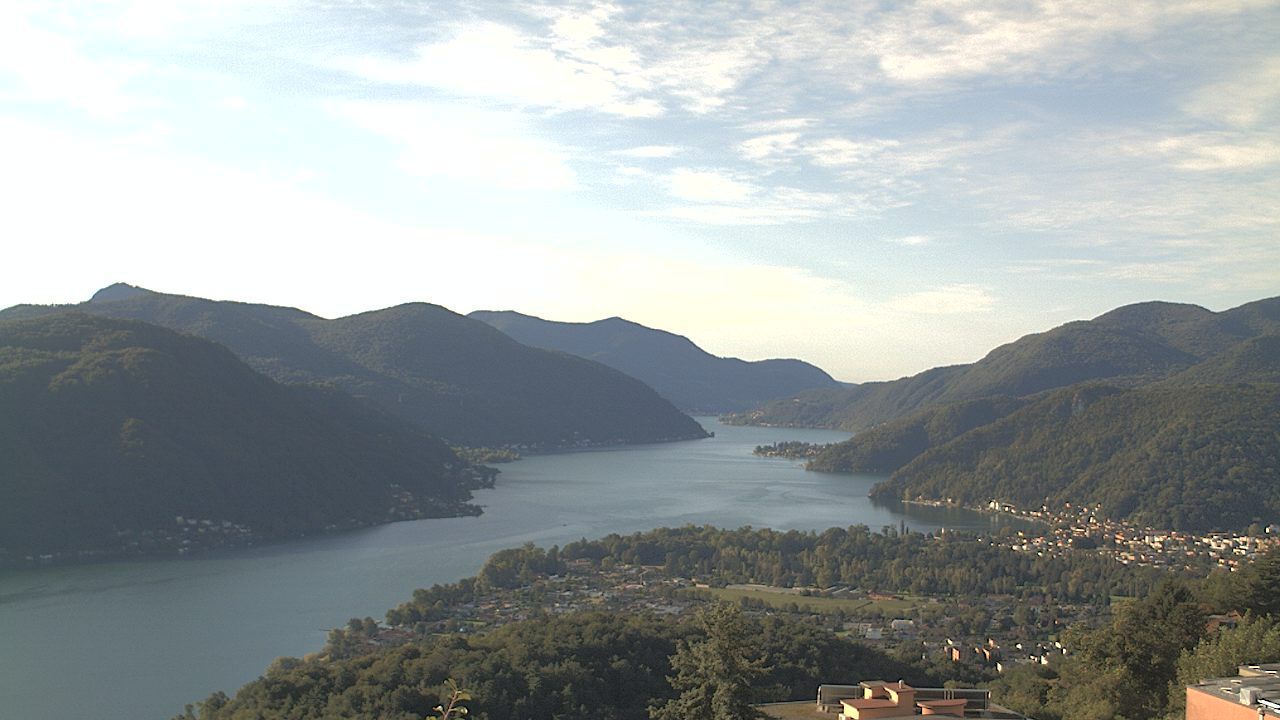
[
  {"x": 714, "y": 676},
  {"x": 1123, "y": 670},
  {"x": 1262, "y": 585}
]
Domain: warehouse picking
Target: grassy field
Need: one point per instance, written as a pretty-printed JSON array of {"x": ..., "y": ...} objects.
[{"x": 782, "y": 597}]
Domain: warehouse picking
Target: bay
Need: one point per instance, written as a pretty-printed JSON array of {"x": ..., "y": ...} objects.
[{"x": 138, "y": 640}]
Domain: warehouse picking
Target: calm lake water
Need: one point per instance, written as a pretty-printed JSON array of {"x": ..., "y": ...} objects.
[{"x": 139, "y": 640}]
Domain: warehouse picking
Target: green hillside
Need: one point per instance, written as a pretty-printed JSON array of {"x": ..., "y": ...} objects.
[
  {"x": 887, "y": 447},
  {"x": 455, "y": 377},
  {"x": 1194, "y": 457},
  {"x": 1131, "y": 346},
  {"x": 1256, "y": 360},
  {"x": 112, "y": 429},
  {"x": 690, "y": 377}
]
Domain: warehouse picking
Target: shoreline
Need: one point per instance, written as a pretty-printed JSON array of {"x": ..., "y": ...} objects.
[{"x": 980, "y": 510}]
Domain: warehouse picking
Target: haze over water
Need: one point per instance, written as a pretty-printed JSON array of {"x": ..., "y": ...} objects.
[{"x": 138, "y": 640}]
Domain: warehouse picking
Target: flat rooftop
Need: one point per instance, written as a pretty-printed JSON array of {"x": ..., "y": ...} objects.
[
  {"x": 808, "y": 710},
  {"x": 1265, "y": 678}
]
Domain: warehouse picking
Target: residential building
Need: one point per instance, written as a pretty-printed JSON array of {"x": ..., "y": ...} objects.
[
  {"x": 1252, "y": 694},
  {"x": 880, "y": 700}
]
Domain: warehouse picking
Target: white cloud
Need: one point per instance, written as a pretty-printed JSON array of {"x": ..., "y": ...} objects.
[
  {"x": 449, "y": 142},
  {"x": 781, "y": 125},
  {"x": 1243, "y": 101},
  {"x": 707, "y": 186},
  {"x": 1214, "y": 152},
  {"x": 718, "y": 198},
  {"x": 650, "y": 151},
  {"x": 768, "y": 146},
  {"x": 834, "y": 152},
  {"x": 499, "y": 62},
  {"x": 911, "y": 240},
  {"x": 704, "y": 75},
  {"x": 933, "y": 41},
  {"x": 52, "y": 66},
  {"x": 961, "y": 299}
]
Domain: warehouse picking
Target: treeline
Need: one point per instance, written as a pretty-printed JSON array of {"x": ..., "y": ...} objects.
[
  {"x": 1138, "y": 666},
  {"x": 952, "y": 565},
  {"x": 609, "y": 666}
]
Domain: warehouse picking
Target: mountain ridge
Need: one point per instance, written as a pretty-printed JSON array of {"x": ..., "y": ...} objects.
[
  {"x": 1131, "y": 346},
  {"x": 471, "y": 384},
  {"x": 690, "y": 377}
]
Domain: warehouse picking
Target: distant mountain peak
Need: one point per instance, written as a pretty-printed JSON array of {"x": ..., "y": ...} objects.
[
  {"x": 1154, "y": 311},
  {"x": 117, "y": 291},
  {"x": 672, "y": 364}
]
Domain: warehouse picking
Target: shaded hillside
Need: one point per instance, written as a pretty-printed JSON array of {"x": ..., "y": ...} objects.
[
  {"x": 887, "y": 447},
  {"x": 455, "y": 377},
  {"x": 682, "y": 372},
  {"x": 1131, "y": 346},
  {"x": 111, "y": 429},
  {"x": 1256, "y": 360},
  {"x": 1189, "y": 457}
]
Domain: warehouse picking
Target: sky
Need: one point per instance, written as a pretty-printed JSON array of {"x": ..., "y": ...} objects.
[{"x": 874, "y": 187}]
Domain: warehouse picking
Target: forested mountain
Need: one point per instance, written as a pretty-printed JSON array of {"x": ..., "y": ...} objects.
[
  {"x": 1194, "y": 457},
  {"x": 1131, "y": 346},
  {"x": 112, "y": 429},
  {"x": 455, "y": 377},
  {"x": 887, "y": 447},
  {"x": 679, "y": 370},
  {"x": 1256, "y": 360}
]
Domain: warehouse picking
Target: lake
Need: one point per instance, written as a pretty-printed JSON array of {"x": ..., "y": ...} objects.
[{"x": 137, "y": 640}]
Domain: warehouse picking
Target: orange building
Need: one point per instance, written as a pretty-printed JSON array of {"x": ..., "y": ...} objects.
[
  {"x": 880, "y": 700},
  {"x": 885, "y": 701},
  {"x": 1253, "y": 694}
]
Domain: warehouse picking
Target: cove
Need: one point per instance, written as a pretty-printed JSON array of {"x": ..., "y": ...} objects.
[{"x": 137, "y": 640}]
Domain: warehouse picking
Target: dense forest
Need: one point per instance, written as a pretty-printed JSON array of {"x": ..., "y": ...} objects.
[
  {"x": 1130, "y": 346},
  {"x": 112, "y": 429},
  {"x": 1138, "y": 665},
  {"x": 682, "y": 372},
  {"x": 600, "y": 665},
  {"x": 455, "y": 377},
  {"x": 1186, "y": 457},
  {"x": 886, "y": 448}
]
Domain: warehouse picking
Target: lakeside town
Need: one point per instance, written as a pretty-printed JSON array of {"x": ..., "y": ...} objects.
[{"x": 1085, "y": 528}]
